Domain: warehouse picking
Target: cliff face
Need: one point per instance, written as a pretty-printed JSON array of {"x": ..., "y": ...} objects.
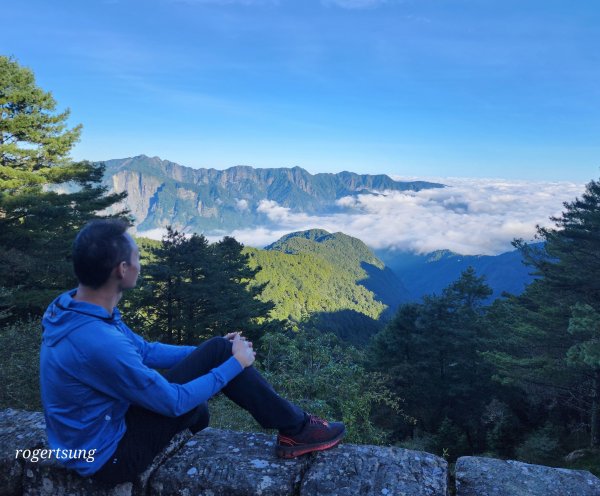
[
  {"x": 225, "y": 463},
  {"x": 162, "y": 192},
  {"x": 141, "y": 190}
]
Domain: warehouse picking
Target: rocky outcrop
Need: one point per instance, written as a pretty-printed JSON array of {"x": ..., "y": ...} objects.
[
  {"x": 141, "y": 190},
  {"x": 18, "y": 430},
  {"x": 47, "y": 477},
  {"x": 225, "y": 463},
  {"x": 477, "y": 476},
  {"x": 370, "y": 470},
  {"x": 162, "y": 193}
]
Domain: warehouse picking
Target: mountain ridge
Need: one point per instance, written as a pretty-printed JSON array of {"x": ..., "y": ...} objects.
[
  {"x": 430, "y": 273},
  {"x": 164, "y": 193},
  {"x": 218, "y": 202}
]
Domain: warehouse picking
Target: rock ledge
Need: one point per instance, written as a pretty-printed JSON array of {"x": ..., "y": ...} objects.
[{"x": 225, "y": 463}]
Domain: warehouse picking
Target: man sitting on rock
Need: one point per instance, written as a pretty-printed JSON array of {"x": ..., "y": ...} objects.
[{"x": 99, "y": 387}]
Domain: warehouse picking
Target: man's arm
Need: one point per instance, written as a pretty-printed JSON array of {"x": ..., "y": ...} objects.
[
  {"x": 115, "y": 367},
  {"x": 158, "y": 355}
]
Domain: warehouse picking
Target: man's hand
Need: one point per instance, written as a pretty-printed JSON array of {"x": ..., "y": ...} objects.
[
  {"x": 242, "y": 350},
  {"x": 232, "y": 335}
]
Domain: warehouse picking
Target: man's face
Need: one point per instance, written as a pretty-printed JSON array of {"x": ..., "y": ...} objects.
[{"x": 132, "y": 268}]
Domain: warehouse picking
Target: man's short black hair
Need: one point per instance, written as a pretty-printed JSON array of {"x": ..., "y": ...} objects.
[{"x": 98, "y": 248}]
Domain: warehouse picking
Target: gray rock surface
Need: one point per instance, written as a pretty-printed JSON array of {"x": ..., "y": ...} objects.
[
  {"x": 218, "y": 463},
  {"x": 18, "y": 430},
  {"x": 375, "y": 471},
  {"x": 476, "y": 476},
  {"x": 47, "y": 477},
  {"x": 225, "y": 463},
  {"x": 50, "y": 478}
]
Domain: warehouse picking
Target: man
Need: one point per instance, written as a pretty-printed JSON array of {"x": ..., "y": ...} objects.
[{"x": 99, "y": 387}]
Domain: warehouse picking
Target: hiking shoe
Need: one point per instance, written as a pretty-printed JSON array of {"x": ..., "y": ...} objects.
[{"x": 316, "y": 435}]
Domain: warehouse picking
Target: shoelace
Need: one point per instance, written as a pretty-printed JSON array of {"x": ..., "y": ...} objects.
[{"x": 313, "y": 419}]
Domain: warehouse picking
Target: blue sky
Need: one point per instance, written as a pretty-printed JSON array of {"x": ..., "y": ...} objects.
[{"x": 421, "y": 88}]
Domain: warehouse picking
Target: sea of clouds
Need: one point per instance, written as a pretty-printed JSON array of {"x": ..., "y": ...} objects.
[{"x": 468, "y": 216}]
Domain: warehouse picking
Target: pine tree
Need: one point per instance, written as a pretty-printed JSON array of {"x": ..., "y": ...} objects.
[
  {"x": 45, "y": 197},
  {"x": 192, "y": 291},
  {"x": 551, "y": 350},
  {"x": 235, "y": 302},
  {"x": 430, "y": 351},
  {"x": 171, "y": 291},
  {"x": 585, "y": 325}
]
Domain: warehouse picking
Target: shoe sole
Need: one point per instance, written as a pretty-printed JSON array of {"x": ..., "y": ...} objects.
[{"x": 303, "y": 449}]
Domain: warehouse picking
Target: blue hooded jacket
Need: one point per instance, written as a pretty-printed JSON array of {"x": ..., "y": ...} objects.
[{"x": 93, "y": 367}]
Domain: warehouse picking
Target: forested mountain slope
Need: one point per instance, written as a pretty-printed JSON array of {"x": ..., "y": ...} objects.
[{"x": 332, "y": 281}]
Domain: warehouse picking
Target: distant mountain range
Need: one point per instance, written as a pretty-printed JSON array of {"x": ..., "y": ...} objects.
[
  {"x": 162, "y": 193},
  {"x": 432, "y": 272},
  {"x": 345, "y": 275}
]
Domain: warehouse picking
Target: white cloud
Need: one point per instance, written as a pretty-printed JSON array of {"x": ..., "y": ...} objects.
[
  {"x": 470, "y": 216},
  {"x": 283, "y": 215},
  {"x": 258, "y": 237},
  {"x": 151, "y": 233},
  {"x": 241, "y": 205}
]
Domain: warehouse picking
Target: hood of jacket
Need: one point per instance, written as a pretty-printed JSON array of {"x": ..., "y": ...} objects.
[{"x": 65, "y": 315}]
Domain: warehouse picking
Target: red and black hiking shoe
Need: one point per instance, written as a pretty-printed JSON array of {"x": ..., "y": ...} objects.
[{"x": 317, "y": 435}]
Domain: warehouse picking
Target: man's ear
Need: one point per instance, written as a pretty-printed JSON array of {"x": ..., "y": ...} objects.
[{"x": 120, "y": 270}]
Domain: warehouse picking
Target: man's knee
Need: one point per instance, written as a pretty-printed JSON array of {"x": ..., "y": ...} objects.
[{"x": 220, "y": 345}]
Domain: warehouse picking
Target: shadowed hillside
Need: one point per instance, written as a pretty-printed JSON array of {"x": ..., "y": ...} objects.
[
  {"x": 330, "y": 281},
  {"x": 432, "y": 272}
]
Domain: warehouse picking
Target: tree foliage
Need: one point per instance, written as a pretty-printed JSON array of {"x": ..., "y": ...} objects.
[
  {"x": 191, "y": 290},
  {"x": 45, "y": 197},
  {"x": 308, "y": 288},
  {"x": 553, "y": 347},
  {"x": 430, "y": 353},
  {"x": 327, "y": 377}
]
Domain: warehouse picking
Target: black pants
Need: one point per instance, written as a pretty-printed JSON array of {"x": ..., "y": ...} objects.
[{"x": 148, "y": 432}]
